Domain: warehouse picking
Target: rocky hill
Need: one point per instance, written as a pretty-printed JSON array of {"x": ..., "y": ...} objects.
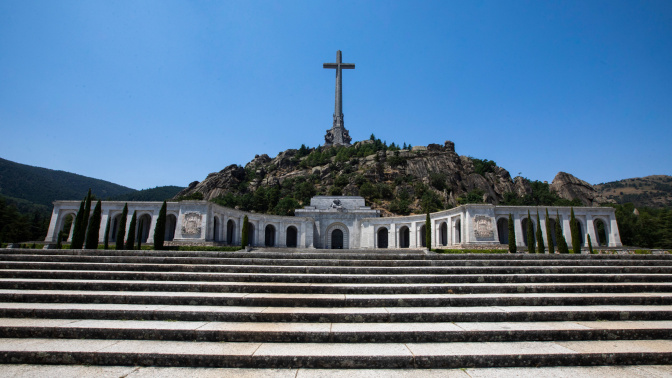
[
  {"x": 649, "y": 191},
  {"x": 392, "y": 179}
]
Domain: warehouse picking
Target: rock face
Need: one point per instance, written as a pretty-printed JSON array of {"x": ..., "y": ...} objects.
[
  {"x": 438, "y": 167},
  {"x": 570, "y": 187}
]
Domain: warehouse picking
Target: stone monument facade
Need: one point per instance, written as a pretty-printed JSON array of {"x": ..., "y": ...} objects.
[{"x": 338, "y": 135}]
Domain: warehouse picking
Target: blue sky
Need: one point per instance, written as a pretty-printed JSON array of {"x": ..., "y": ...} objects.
[{"x": 148, "y": 93}]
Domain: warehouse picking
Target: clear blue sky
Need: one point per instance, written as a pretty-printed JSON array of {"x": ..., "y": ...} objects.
[{"x": 148, "y": 93}]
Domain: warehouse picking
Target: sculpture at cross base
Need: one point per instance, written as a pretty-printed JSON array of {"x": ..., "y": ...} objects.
[{"x": 338, "y": 135}]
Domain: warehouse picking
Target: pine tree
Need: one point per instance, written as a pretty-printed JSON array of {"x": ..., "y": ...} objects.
[
  {"x": 244, "y": 236},
  {"x": 130, "y": 241},
  {"x": 540, "y": 236},
  {"x": 576, "y": 236},
  {"x": 121, "y": 229},
  {"x": 428, "y": 232},
  {"x": 77, "y": 227},
  {"x": 560, "y": 237},
  {"x": 530, "y": 234},
  {"x": 160, "y": 228},
  {"x": 106, "y": 243},
  {"x": 93, "y": 231},
  {"x": 549, "y": 234},
  {"x": 140, "y": 235},
  {"x": 512, "y": 236},
  {"x": 590, "y": 245}
]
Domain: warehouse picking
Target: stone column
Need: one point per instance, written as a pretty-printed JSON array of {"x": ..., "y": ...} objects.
[
  {"x": 518, "y": 229},
  {"x": 103, "y": 223},
  {"x": 590, "y": 230}
]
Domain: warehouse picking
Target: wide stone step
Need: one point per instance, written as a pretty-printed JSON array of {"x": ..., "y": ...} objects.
[
  {"x": 326, "y": 278},
  {"x": 256, "y": 269},
  {"x": 334, "y": 300},
  {"x": 334, "y": 314},
  {"x": 333, "y": 332},
  {"x": 622, "y": 371},
  {"x": 99, "y": 284},
  {"x": 334, "y": 355},
  {"x": 400, "y": 262}
]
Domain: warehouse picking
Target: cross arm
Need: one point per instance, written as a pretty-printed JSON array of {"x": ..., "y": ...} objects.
[{"x": 335, "y": 65}]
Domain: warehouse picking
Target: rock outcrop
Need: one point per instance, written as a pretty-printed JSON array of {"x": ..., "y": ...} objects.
[{"x": 441, "y": 170}]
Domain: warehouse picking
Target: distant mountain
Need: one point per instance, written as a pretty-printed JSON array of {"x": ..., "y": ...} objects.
[
  {"x": 43, "y": 186},
  {"x": 160, "y": 193},
  {"x": 649, "y": 191}
]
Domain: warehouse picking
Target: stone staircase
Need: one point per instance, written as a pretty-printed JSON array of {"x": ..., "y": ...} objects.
[{"x": 398, "y": 309}]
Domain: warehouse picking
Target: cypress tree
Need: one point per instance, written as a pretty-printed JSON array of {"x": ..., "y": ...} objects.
[
  {"x": 59, "y": 242},
  {"x": 512, "y": 236},
  {"x": 106, "y": 243},
  {"x": 428, "y": 232},
  {"x": 140, "y": 235},
  {"x": 160, "y": 228},
  {"x": 560, "y": 237},
  {"x": 85, "y": 220},
  {"x": 121, "y": 229},
  {"x": 243, "y": 237},
  {"x": 576, "y": 236},
  {"x": 130, "y": 241},
  {"x": 77, "y": 227},
  {"x": 590, "y": 245},
  {"x": 549, "y": 234},
  {"x": 540, "y": 236},
  {"x": 530, "y": 234},
  {"x": 93, "y": 231}
]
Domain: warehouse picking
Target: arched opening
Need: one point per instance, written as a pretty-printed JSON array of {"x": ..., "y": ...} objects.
[
  {"x": 269, "y": 236},
  {"x": 66, "y": 225},
  {"x": 292, "y": 237},
  {"x": 582, "y": 237},
  {"x": 601, "y": 232},
  {"x": 524, "y": 225},
  {"x": 144, "y": 222},
  {"x": 215, "y": 229},
  {"x": 404, "y": 237},
  {"x": 382, "y": 237},
  {"x": 114, "y": 227},
  {"x": 458, "y": 232},
  {"x": 443, "y": 232},
  {"x": 337, "y": 239},
  {"x": 423, "y": 236},
  {"x": 503, "y": 230},
  {"x": 250, "y": 234},
  {"x": 230, "y": 228},
  {"x": 171, "y": 223}
]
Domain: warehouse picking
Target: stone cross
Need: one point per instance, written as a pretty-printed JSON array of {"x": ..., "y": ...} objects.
[{"x": 338, "y": 135}]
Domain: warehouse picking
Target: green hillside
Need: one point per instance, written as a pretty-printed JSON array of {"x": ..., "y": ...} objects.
[
  {"x": 159, "y": 193},
  {"x": 43, "y": 186}
]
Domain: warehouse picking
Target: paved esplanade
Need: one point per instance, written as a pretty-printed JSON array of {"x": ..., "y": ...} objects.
[{"x": 338, "y": 135}]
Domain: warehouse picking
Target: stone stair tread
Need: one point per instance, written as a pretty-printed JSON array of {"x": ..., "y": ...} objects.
[
  {"x": 298, "y": 350},
  {"x": 332, "y": 327}
]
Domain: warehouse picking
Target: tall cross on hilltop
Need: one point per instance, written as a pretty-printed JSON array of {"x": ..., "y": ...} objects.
[{"x": 338, "y": 135}]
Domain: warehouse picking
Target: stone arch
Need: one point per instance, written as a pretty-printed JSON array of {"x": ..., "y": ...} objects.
[
  {"x": 458, "y": 231},
  {"x": 215, "y": 228},
  {"x": 230, "y": 231},
  {"x": 601, "y": 232},
  {"x": 171, "y": 225},
  {"x": 523, "y": 224},
  {"x": 269, "y": 236},
  {"x": 331, "y": 233},
  {"x": 381, "y": 237},
  {"x": 250, "y": 233},
  {"x": 443, "y": 234},
  {"x": 291, "y": 237},
  {"x": 114, "y": 227},
  {"x": 144, "y": 220},
  {"x": 66, "y": 222},
  {"x": 503, "y": 230},
  {"x": 404, "y": 237},
  {"x": 423, "y": 236}
]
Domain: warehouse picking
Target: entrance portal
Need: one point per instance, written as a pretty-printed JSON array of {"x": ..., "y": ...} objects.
[{"x": 337, "y": 239}]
